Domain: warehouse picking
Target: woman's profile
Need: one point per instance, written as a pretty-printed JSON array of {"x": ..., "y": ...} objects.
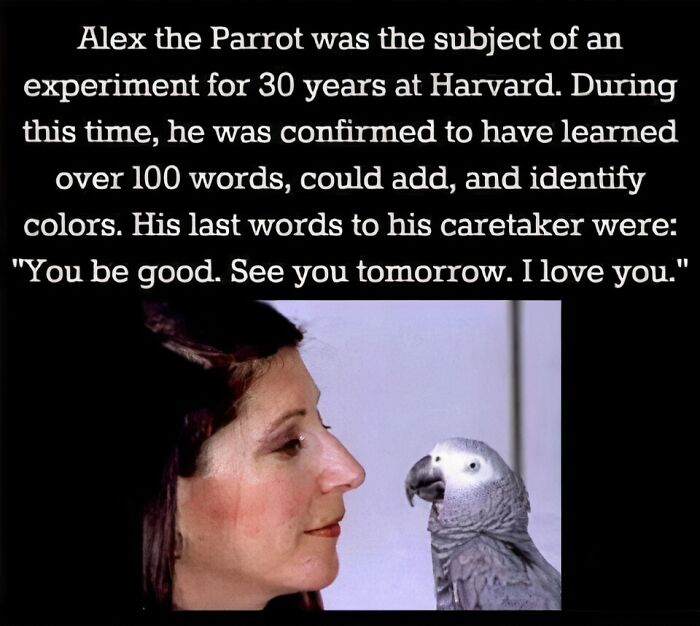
[{"x": 246, "y": 508}]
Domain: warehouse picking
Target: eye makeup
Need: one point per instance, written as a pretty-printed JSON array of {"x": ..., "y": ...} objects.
[
  {"x": 320, "y": 419},
  {"x": 292, "y": 446},
  {"x": 287, "y": 439},
  {"x": 284, "y": 435}
]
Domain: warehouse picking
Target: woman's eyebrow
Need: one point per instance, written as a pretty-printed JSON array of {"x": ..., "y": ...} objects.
[{"x": 278, "y": 421}]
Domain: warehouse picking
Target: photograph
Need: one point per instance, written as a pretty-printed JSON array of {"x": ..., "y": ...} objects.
[{"x": 428, "y": 431}]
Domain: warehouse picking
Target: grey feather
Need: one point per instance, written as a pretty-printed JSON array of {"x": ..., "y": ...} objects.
[
  {"x": 483, "y": 556},
  {"x": 488, "y": 573}
]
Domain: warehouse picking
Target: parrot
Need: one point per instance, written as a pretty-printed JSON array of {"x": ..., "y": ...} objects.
[{"x": 483, "y": 556}]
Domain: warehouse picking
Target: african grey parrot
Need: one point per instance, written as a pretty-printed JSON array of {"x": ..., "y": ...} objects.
[{"x": 483, "y": 556}]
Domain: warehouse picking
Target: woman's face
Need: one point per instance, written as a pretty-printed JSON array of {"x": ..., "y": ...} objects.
[{"x": 260, "y": 518}]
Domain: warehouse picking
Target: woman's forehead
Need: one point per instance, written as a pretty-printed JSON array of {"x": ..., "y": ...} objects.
[
  {"x": 286, "y": 376},
  {"x": 285, "y": 391},
  {"x": 286, "y": 387}
]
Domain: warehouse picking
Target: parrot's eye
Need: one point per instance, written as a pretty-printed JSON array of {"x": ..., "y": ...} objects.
[
  {"x": 473, "y": 466},
  {"x": 437, "y": 459}
]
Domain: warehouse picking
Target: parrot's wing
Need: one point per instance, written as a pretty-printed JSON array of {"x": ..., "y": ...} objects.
[{"x": 490, "y": 574}]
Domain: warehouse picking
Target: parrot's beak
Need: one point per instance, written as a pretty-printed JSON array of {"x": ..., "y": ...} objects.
[{"x": 426, "y": 481}]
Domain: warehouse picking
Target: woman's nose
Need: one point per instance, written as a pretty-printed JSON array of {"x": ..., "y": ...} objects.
[{"x": 340, "y": 471}]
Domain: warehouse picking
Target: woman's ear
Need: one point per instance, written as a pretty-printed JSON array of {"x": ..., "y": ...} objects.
[
  {"x": 182, "y": 495},
  {"x": 177, "y": 552}
]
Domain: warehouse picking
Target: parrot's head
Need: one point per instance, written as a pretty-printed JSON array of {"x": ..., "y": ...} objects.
[
  {"x": 465, "y": 472},
  {"x": 456, "y": 464}
]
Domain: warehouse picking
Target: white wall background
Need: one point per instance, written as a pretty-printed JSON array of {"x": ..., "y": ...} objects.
[{"x": 399, "y": 376}]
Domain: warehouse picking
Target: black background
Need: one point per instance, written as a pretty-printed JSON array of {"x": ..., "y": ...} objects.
[{"x": 74, "y": 435}]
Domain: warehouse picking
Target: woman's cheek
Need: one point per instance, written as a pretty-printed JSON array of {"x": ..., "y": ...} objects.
[
  {"x": 272, "y": 505},
  {"x": 214, "y": 501}
]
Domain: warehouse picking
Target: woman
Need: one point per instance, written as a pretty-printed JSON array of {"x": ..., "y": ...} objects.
[{"x": 249, "y": 504}]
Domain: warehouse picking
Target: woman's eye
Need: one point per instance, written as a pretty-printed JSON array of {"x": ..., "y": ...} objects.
[{"x": 292, "y": 447}]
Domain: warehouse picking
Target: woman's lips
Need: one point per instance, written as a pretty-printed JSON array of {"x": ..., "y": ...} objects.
[{"x": 332, "y": 530}]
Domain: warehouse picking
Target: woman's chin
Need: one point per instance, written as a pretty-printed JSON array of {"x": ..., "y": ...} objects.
[
  {"x": 318, "y": 573},
  {"x": 330, "y": 575}
]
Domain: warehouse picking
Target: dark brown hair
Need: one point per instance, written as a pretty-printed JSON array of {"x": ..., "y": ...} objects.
[{"x": 208, "y": 353}]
